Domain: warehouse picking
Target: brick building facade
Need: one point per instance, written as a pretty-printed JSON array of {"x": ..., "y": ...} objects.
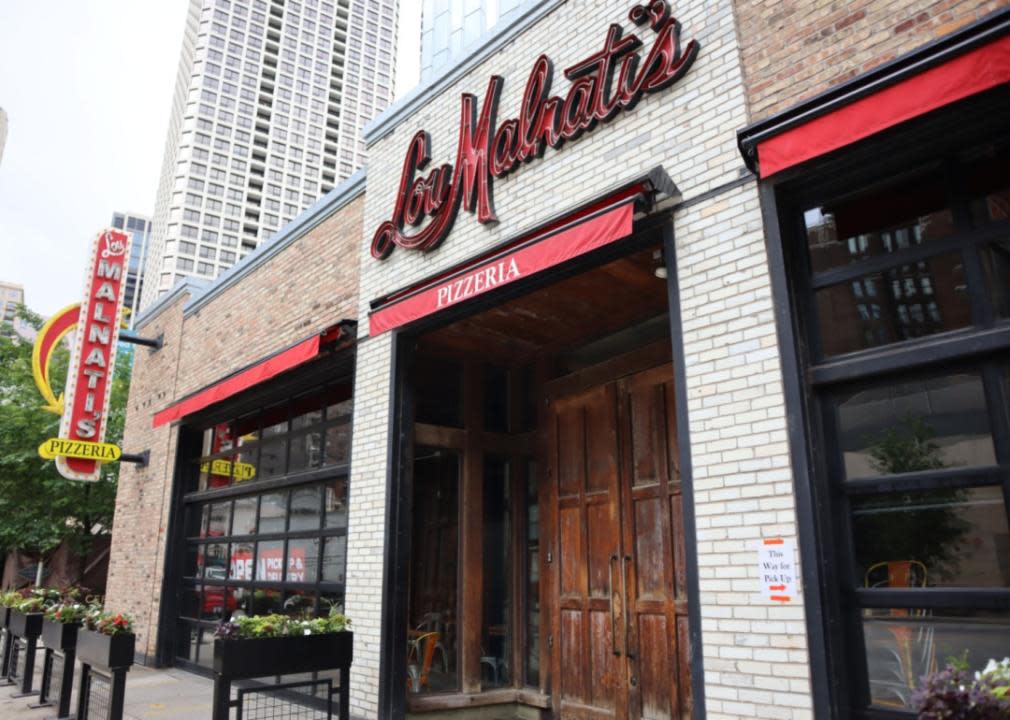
[{"x": 750, "y": 288}]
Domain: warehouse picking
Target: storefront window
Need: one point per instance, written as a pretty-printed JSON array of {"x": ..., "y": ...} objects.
[
  {"x": 915, "y": 425},
  {"x": 532, "y": 577},
  {"x": 276, "y": 541},
  {"x": 904, "y": 302},
  {"x": 902, "y": 645},
  {"x": 433, "y": 652},
  {"x": 905, "y": 214},
  {"x": 915, "y": 466},
  {"x": 496, "y": 640}
]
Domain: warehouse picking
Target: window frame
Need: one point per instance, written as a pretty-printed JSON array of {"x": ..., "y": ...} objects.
[
  {"x": 316, "y": 379},
  {"x": 836, "y": 600}
]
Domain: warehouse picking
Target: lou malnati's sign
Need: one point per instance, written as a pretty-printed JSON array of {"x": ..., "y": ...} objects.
[{"x": 79, "y": 451}]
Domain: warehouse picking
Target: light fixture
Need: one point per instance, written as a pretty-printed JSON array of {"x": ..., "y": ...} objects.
[{"x": 660, "y": 269}]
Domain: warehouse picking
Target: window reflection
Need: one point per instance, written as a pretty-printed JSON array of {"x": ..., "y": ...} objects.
[
  {"x": 902, "y": 645},
  {"x": 913, "y": 426},
  {"x": 932, "y": 538},
  {"x": 902, "y": 303},
  {"x": 887, "y": 220}
]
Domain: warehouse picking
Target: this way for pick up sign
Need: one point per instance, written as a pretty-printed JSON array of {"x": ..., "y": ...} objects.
[{"x": 777, "y": 570}]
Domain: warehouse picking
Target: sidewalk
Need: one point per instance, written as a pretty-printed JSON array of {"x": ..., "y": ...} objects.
[{"x": 169, "y": 694}]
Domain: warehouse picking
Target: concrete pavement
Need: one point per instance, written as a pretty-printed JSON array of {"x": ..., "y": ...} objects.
[{"x": 167, "y": 694}]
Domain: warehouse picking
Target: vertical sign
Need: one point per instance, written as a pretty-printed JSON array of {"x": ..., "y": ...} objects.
[
  {"x": 777, "y": 570},
  {"x": 89, "y": 378}
]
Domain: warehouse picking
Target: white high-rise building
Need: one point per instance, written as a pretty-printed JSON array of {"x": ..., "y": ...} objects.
[
  {"x": 269, "y": 102},
  {"x": 3, "y": 131}
]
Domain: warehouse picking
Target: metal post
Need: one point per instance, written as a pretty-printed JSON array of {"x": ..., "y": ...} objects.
[
  {"x": 47, "y": 677},
  {"x": 222, "y": 698},
  {"x": 66, "y": 685},
  {"x": 344, "y": 712},
  {"x": 28, "y": 679},
  {"x": 118, "y": 692},
  {"x": 83, "y": 691},
  {"x": 6, "y": 651}
]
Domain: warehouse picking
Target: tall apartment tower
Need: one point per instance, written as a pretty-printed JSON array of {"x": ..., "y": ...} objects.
[
  {"x": 269, "y": 102},
  {"x": 448, "y": 27},
  {"x": 140, "y": 226},
  {"x": 12, "y": 295},
  {"x": 3, "y": 131}
]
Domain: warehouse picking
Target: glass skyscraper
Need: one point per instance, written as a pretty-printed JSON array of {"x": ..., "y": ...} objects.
[{"x": 140, "y": 226}]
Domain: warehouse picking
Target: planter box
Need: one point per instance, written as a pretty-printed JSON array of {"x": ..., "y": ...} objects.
[
  {"x": 26, "y": 626},
  {"x": 260, "y": 657},
  {"x": 7, "y": 615},
  {"x": 59, "y": 636},
  {"x": 105, "y": 651}
]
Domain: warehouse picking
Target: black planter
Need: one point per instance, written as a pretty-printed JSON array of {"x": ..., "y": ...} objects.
[
  {"x": 260, "y": 657},
  {"x": 105, "y": 651},
  {"x": 7, "y": 616},
  {"x": 27, "y": 626},
  {"x": 59, "y": 636}
]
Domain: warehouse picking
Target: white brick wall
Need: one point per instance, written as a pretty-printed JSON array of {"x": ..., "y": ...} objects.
[{"x": 755, "y": 653}]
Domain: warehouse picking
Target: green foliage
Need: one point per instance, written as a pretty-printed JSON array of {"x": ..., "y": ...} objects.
[
  {"x": 39, "y": 509},
  {"x": 266, "y": 626}
]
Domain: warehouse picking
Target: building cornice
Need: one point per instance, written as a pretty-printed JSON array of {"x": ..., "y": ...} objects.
[{"x": 189, "y": 285}]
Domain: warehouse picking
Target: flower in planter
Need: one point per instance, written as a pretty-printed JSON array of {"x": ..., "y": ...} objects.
[
  {"x": 954, "y": 694},
  {"x": 108, "y": 623},
  {"x": 67, "y": 613},
  {"x": 11, "y": 598},
  {"x": 265, "y": 626}
]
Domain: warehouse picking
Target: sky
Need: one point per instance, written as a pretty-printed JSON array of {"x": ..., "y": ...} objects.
[{"x": 87, "y": 87}]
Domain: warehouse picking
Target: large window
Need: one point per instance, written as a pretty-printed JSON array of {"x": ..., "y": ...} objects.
[
  {"x": 908, "y": 351},
  {"x": 265, "y": 518}
]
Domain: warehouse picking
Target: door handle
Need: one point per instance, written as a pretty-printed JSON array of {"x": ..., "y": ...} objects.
[
  {"x": 624, "y": 584},
  {"x": 613, "y": 620}
]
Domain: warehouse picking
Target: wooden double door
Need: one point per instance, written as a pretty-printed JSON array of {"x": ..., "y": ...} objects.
[{"x": 619, "y": 625}]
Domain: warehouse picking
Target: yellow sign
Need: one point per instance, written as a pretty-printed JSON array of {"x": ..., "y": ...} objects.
[
  {"x": 80, "y": 449},
  {"x": 240, "y": 470}
]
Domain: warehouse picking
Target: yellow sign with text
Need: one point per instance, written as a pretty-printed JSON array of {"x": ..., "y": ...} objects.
[
  {"x": 80, "y": 449},
  {"x": 240, "y": 470}
]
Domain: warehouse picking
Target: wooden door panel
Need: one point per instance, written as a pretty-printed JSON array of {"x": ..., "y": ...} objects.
[
  {"x": 651, "y": 521},
  {"x": 684, "y": 665},
  {"x": 621, "y": 614},
  {"x": 601, "y": 442},
  {"x": 652, "y": 549},
  {"x": 570, "y": 450},
  {"x": 571, "y": 553},
  {"x": 590, "y": 679},
  {"x": 573, "y": 672},
  {"x": 656, "y": 667},
  {"x": 604, "y": 666},
  {"x": 601, "y": 530}
]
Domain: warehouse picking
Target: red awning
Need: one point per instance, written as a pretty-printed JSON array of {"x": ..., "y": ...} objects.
[
  {"x": 253, "y": 375},
  {"x": 978, "y": 70},
  {"x": 575, "y": 235}
]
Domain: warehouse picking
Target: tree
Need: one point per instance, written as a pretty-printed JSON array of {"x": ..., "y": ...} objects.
[{"x": 39, "y": 509}]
